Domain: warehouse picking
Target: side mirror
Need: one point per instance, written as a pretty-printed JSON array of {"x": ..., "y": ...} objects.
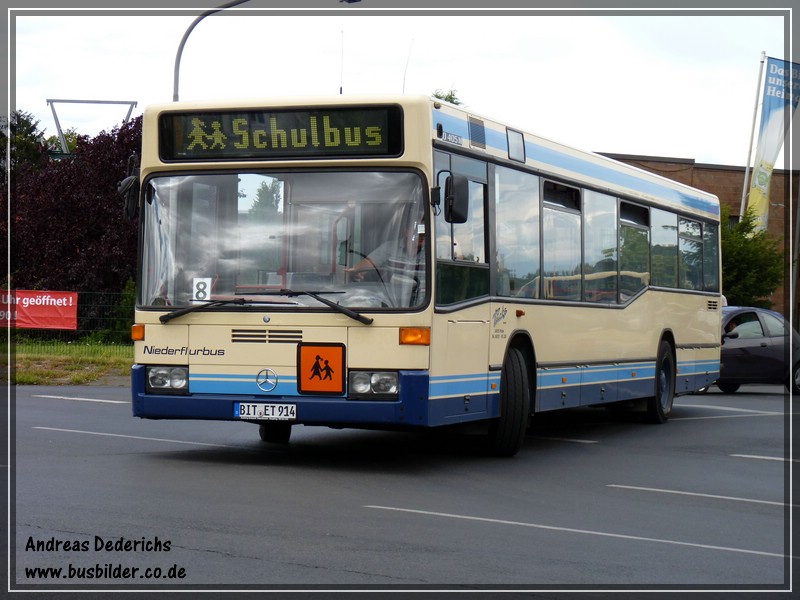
[
  {"x": 730, "y": 335},
  {"x": 456, "y": 199},
  {"x": 128, "y": 188}
]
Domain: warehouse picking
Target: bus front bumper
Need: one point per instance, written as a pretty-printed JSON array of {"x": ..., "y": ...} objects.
[{"x": 409, "y": 409}]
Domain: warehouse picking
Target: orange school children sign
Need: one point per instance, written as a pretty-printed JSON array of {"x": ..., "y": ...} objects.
[
  {"x": 320, "y": 368},
  {"x": 35, "y": 309}
]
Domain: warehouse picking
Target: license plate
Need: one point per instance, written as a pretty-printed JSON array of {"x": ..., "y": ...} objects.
[{"x": 267, "y": 412}]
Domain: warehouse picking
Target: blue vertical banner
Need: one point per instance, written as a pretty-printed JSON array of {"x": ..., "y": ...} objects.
[{"x": 781, "y": 92}]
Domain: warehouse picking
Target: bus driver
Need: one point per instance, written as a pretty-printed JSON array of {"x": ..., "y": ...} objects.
[{"x": 399, "y": 256}]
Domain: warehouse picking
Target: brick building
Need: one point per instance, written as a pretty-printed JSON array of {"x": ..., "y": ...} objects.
[{"x": 727, "y": 182}]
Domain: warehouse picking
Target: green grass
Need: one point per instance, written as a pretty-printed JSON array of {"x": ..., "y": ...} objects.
[{"x": 60, "y": 363}]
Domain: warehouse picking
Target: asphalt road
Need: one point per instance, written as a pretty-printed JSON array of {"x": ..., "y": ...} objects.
[{"x": 592, "y": 501}]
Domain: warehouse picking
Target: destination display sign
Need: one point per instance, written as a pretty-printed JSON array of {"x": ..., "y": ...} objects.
[{"x": 272, "y": 134}]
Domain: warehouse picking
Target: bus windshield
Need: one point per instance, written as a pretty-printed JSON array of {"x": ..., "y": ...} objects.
[{"x": 356, "y": 237}]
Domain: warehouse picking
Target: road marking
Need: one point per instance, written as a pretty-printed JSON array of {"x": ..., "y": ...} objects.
[
  {"x": 756, "y": 457},
  {"x": 558, "y": 439},
  {"x": 748, "y": 416},
  {"x": 716, "y": 497},
  {"x": 133, "y": 437},
  {"x": 580, "y": 531},
  {"x": 80, "y": 399},
  {"x": 730, "y": 409}
]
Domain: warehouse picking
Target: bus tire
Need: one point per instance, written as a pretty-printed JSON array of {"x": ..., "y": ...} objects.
[
  {"x": 275, "y": 432},
  {"x": 507, "y": 433},
  {"x": 659, "y": 406}
]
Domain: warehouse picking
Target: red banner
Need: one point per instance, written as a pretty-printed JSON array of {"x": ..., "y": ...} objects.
[{"x": 30, "y": 309}]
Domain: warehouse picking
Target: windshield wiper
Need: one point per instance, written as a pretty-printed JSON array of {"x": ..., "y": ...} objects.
[
  {"x": 187, "y": 309},
  {"x": 337, "y": 307},
  {"x": 315, "y": 295}
]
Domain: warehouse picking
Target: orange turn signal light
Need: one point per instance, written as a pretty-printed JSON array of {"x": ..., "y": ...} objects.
[
  {"x": 137, "y": 332},
  {"x": 415, "y": 336}
]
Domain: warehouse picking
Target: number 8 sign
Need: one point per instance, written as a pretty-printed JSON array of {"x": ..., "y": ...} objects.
[{"x": 201, "y": 289}]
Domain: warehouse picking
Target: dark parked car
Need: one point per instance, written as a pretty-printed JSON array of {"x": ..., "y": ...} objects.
[{"x": 755, "y": 349}]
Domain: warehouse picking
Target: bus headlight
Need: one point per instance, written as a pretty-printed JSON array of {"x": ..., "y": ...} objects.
[
  {"x": 374, "y": 385},
  {"x": 167, "y": 379}
]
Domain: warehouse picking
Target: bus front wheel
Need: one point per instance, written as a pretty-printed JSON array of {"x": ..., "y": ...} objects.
[
  {"x": 507, "y": 433},
  {"x": 275, "y": 432},
  {"x": 659, "y": 406}
]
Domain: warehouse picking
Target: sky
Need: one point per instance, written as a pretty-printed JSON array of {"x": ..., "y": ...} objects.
[{"x": 680, "y": 84}]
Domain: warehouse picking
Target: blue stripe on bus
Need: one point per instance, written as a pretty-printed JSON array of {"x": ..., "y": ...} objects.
[
  {"x": 473, "y": 384},
  {"x": 463, "y": 385},
  {"x": 238, "y": 384},
  {"x": 592, "y": 375},
  {"x": 580, "y": 166},
  {"x": 700, "y": 367}
]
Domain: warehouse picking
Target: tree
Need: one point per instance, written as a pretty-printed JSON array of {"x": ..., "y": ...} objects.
[
  {"x": 71, "y": 137},
  {"x": 268, "y": 199},
  {"x": 67, "y": 225},
  {"x": 28, "y": 145},
  {"x": 753, "y": 264},
  {"x": 448, "y": 96}
]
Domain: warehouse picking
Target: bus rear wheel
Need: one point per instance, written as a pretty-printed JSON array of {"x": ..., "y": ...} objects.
[
  {"x": 659, "y": 406},
  {"x": 275, "y": 432},
  {"x": 507, "y": 433}
]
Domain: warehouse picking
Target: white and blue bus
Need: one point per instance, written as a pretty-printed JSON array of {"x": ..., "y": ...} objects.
[{"x": 399, "y": 262}]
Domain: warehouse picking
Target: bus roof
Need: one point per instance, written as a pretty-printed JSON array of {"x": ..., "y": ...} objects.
[{"x": 456, "y": 126}]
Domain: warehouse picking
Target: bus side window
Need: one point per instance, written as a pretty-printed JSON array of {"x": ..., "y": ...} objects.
[
  {"x": 634, "y": 250},
  {"x": 690, "y": 254},
  {"x": 517, "y": 233},
  {"x": 710, "y": 257},
  {"x": 561, "y": 241},
  {"x": 462, "y": 271},
  {"x": 600, "y": 247},
  {"x": 664, "y": 240},
  {"x": 468, "y": 238}
]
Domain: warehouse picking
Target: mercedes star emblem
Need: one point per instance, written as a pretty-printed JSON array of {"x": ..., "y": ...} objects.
[{"x": 267, "y": 380}]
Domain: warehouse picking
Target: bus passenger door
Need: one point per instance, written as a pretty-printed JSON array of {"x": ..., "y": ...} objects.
[{"x": 460, "y": 364}]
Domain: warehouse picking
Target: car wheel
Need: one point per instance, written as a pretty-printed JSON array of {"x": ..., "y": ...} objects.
[
  {"x": 728, "y": 388},
  {"x": 659, "y": 406},
  {"x": 793, "y": 384}
]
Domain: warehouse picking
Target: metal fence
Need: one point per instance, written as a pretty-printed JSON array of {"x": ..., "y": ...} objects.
[{"x": 103, "y": 318}]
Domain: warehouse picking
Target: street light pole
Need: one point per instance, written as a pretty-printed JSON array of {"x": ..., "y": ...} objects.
[
  {"x": 186, "y": 37},
  {"x": 192, "y": 26}
]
